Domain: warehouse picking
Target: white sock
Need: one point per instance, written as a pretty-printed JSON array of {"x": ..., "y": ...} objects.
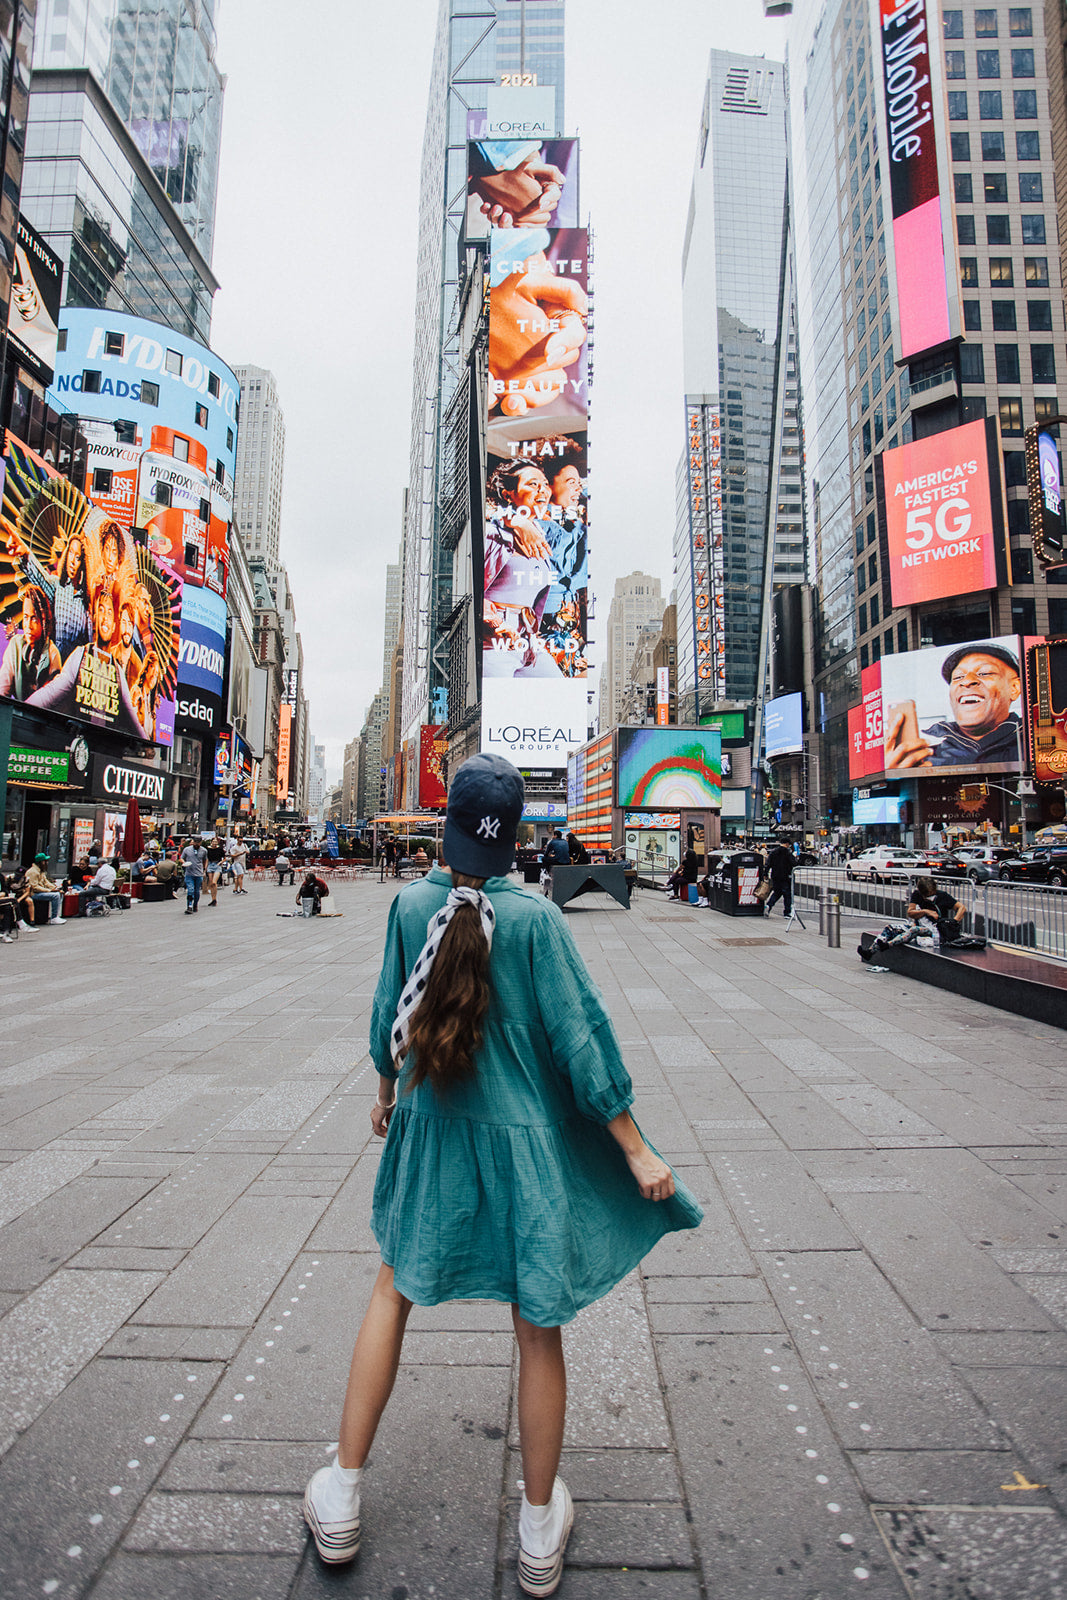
[
  {"x": 541, "y": 1527},
  {"x": 339, "y": 1493}
]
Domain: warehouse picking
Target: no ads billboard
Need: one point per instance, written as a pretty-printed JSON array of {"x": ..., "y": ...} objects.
[{"x": 943, "y": 503}]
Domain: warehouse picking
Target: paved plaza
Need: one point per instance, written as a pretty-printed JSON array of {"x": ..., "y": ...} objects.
[{"x": 848, "y": 1382}]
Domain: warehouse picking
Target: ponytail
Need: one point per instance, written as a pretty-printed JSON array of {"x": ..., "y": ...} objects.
[{"x": 445, "y": 1031}]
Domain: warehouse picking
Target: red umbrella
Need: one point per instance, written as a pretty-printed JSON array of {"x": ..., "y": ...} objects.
[{"x": 133, "y": 837}]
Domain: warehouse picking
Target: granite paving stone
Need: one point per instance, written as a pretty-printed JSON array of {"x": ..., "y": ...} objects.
[{"x": 179, "y": 1577}]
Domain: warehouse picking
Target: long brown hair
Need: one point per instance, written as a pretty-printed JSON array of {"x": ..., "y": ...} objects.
[{"x": 446, "y": 1027}]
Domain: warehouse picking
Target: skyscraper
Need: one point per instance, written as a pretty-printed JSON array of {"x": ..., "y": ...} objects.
[
  {"x": 260, "y": 467},
  {"x": 477, "y": 41},
  {"x": 637, "y": 602}
]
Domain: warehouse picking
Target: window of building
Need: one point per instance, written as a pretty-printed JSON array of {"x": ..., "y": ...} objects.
[
  {"x": 957, "y": 105},
  {"x": 149, "y": 393},
  {"x": 1018, "y": 519},
  {"x": 220, "y": 472},
  {"x": 991, "y": 105},
  {"x": 1020, "y": 22},
  {"x": 965, "y": 227},
  {"x": 969, "y": 271},
  {"x": 201, "y": 416},
  {"x": 985, "y": 25},
  {"x": 1033, "y": 229},
  {"x": 861, "y": 579},
  {"x": 1043, "y": 363},
  {"x": 1025, "y": 104},
  {"x": 1023, "y": 616},
  {"x": 955, "y": 64},
  {"x": 995, "y": 188},
  {"x": 1004, "y": 316},
  {"x": 972, "y": 408},
  {"x": 180, "y": 448},
  {"x": 963, "y": 185},
  {"x": 1022, "y": 63},
  {"x": 1031, "y": 187},
  {"x": 863, "y": 618},
  {"x": 1015, "y": 469},
  {"x": 1007, "y": 356},
  {"x": 90, "y": 381},
  {"x": 1036, "y": 268},
  {"x": 1046, "y": 407},
  {"x": 114, "y": 344},
  {"x": 172, "y": 362},
  {"x": 875, "y": 615},
  {"x": 988, "y": 62},
  {"x": 1001, "y": 270},
  {"x": 1039, "y": 316},
  {"x": 213, "y": 384},
  {"x": 972, "y": 316},
  {"x": 865, "y": 657},
  {"x": 952, "y": 24},
  {"x": 890, "y": 407},
  {"x": 1028, "y": 145},
  {"x": 229, "y": 438},
  {"x": 1057, "y": 613},
  {"x": 162, "y": 494},
  {"x": 102, "y": 480},
  {"x": 1011, "y": 415},
  {"x": 997, "y": 229},
  {"x": 961, "y": 146},
  {"x": 902, "y": 636},
  {"x": 993, "y": 146},
  {"x": 972, "y": 363}
]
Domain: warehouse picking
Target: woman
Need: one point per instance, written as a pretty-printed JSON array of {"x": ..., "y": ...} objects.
[
  {"x": 578, "y": 853},
  {"x": 215, "y": 856},
  {"x": 72, "y": 598},
  {"x": 31, "y": 659},
  {"x": 504, "y": 1102}
]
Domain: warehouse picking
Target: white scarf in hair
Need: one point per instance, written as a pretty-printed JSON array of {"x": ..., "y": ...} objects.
[{"x": 420, "y": 972}]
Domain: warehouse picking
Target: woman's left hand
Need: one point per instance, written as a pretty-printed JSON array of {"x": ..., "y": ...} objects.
[{"x": 653, "y": 1176}]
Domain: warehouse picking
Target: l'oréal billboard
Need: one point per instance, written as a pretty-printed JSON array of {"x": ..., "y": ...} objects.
[
  {"x": 536, "y": 550},
  {"x": 910, "y": 92}
]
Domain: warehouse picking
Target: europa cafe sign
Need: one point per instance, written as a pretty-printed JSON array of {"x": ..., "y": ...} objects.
[{"x": 944, "y": 515}]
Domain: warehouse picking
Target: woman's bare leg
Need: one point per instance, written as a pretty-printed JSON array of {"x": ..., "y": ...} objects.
[
  {"x": 542, "y": 1405},
  {"x": 373, "y": 1370}
]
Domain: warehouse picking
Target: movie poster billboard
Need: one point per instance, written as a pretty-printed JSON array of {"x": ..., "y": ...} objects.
[
  {"x": 36, "y": 295},
  {"x": 944, "y": 514},
  {"x": 955, "y": 706},
  {"x": 433, "y": 748},
  {"x": 160, "y": 414},
  {"x": 910, "y": 93},
  {"x": 92, "y": 619},
  {"x": 536, "y": 572},
  {"x": 669, "y": 769}
]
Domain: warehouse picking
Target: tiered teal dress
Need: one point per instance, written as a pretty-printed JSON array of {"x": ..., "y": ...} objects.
[{"x": 511, "y": 1188}]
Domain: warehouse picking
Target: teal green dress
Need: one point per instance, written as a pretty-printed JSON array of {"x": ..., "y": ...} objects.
[{"x": 511, "y": 1188}]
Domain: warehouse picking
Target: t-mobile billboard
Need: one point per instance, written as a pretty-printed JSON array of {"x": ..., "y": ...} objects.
[{"x": 944, "y": 514}]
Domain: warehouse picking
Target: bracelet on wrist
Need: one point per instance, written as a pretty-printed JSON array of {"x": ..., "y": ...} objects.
[{"x": 382, "y": 1106}]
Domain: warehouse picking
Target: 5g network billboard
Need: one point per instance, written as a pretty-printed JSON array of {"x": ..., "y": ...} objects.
[
  {"x": 943, "y": 500},
  {"x": 535, "y": 560}
]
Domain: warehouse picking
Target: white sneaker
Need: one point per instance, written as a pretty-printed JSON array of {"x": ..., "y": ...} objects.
[
  {"x": 541, "y": 1574},
  {"x": 336, "y": 1538},
  {"x": 57, "y": 922}
]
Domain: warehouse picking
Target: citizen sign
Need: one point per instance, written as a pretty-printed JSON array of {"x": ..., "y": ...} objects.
[{"x": 132, "y": 784}]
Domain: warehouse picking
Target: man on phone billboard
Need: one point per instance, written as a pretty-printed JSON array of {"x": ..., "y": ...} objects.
[{"x": 982, "y": 730}]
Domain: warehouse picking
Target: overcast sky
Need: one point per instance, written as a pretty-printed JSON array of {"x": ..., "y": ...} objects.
[{"x": 315, "y": 245}]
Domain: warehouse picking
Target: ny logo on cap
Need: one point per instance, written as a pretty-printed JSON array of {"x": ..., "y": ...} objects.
[{"x": 489, "y": 826}]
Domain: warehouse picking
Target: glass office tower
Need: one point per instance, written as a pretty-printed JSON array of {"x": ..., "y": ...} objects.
[{"x": 477, "y": 42}]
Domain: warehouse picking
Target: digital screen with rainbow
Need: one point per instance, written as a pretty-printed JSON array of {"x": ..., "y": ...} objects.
[{"x": 670, "y": 769}]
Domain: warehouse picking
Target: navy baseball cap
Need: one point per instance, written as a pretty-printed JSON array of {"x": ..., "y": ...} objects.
[
  {"x": 485, "y": 803},
  {"x": 997, "y": 651}
]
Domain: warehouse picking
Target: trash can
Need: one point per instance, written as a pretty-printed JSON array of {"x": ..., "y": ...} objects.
[{"x": 307, "y": 905}]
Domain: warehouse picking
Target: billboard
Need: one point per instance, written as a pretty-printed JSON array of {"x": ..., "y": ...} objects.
[
  {"x": 663, "y": 696},
  {"x": 285, "y": 725},
  {"x": 911, "y": 111},
  {"x": 704, "y": 476},
  {"x": 885, "y": 808},
  {"x": 787, "y": 638},
  {"x": 201, "y": 662},
  {"x": 535, "y": 557},
  {"x": 519, "y": 182},
  {"x": 160, "y": 413},
  {"x": 432, "y": 751},
  {"x": 36, "y": 295},
  {"x": 866, "y": 746},
  {"x": 1044, "y": 481},
  {"x": 783, "y": 726},
  {"x": 92, "y": 619},
  {"x": 1046, "y": 685},
  {"x": 953, "y": 706},
  {"x": 669, "y": 769},
  {"x": 944, "y": 514}
]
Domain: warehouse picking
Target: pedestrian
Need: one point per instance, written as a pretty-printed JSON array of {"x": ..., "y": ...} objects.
[
  {"x": 45, "y": 893},
  {"x": 216, "y": 854},
  {"x": 194, "y": 860},
  {"x": 780, "y": 864},
  {"x": 239, "y": 863},
  {"x": 512, "y": 1168}
]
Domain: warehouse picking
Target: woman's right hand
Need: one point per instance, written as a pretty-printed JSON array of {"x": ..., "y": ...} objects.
[{"x": 652, "y": 1175}]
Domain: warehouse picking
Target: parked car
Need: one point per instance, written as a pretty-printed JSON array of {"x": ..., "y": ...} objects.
[
  {"x": 950, "y": 864},
  {"x": 1043, "y": 864},
  {"x": 806, "y": 858},
  {"x": 882, "y": 864},
  {"x": 992, "y": 856}
]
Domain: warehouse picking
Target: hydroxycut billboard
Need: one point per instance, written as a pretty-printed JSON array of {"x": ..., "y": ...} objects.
[
  {"x": 535, "y": 558},
  {"x": 201, "y": 662},
  {"x": 160, "y": 414},
  {"x": 943, "y": 502}
]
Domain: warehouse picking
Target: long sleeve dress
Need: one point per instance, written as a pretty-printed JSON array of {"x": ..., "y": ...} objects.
[{"x": 511, "y": 1188}]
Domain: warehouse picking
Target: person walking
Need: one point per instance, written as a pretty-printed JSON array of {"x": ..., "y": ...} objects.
[
  {"x": 780, "y": 865},
  {"x": 239, "y": 863},
  {"x": 512, "y": 1168},
  {"x": 194, "y": 860},
  {"x": 216, "y": 855}
]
